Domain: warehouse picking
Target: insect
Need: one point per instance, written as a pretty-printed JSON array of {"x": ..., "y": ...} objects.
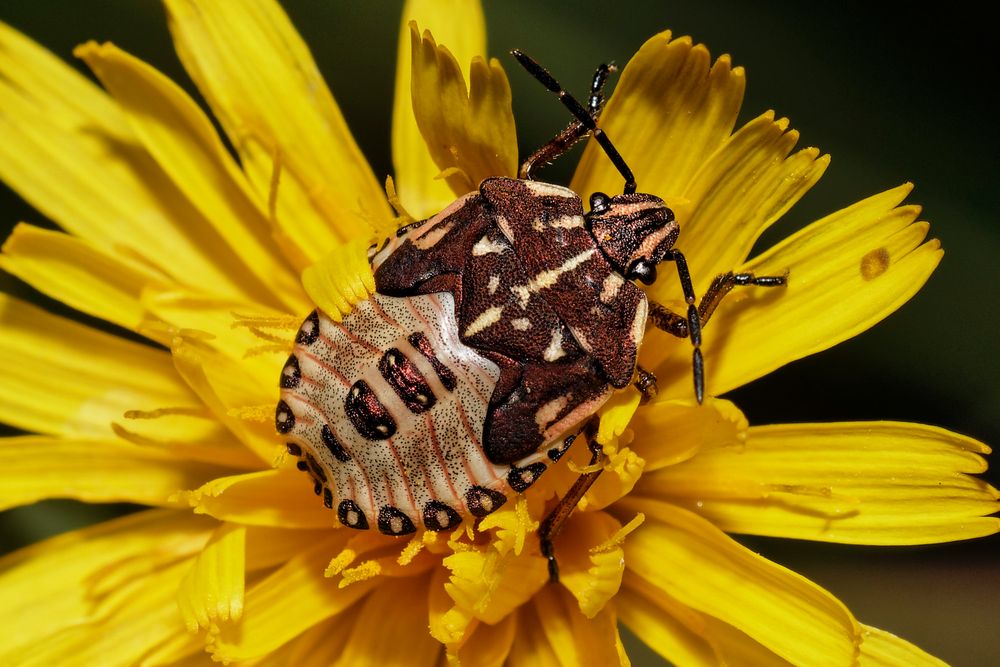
[{"x": 497, "y": 330}]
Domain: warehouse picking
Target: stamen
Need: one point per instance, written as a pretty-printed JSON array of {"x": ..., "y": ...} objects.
[
  {"x": 585, "y": 470},
  {"x": 455, "y": 542},
  {"x": 271, "y": 338},
  {"x": 253, "y": 413},
  {"x": 280, "y": 322},
  {"x": 523, "y": 525},
  {"x": 410, "y": 551},
  {"x": 339, "y": 562},
  {"x": 363, "y": 572},
  {"x": 619, "y": 536},
  {"x": 455, "y": 171},
  {"x": 403, "y": 217},
  {"x": 260, "y": 350},
  {"x": 200, "y": 411}
]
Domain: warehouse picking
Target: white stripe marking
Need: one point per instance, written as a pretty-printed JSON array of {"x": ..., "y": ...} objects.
[
  {"x": 554, "y": 350},
  {"x": 559, "y": 222},
  {"x": 487, "y": 318},
  {"x": 485, "y": 246},
  {"x": 548, "y": 412},
  {"x": 612, "y": 284},
  {"x": 550, "y": 277}
]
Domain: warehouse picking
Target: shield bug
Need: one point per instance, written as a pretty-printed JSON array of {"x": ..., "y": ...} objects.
[{"x": 498, "y": 328}]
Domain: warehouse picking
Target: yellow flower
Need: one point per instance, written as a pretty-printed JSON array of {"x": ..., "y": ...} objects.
[{"x": 169, "y": 237}]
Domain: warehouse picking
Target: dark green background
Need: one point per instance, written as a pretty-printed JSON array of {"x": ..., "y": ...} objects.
[{"x": 893, "y": 95}]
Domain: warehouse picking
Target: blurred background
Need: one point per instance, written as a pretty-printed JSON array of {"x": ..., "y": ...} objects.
[{"x": 893, "y": 95}]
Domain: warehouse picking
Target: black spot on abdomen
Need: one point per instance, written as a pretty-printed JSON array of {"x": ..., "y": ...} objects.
[
  {"x": 423, "y": 345},
  {"x": 407, "y": 381},
  {"x": 366, "y": 412},
  {"x": 333, "y": 444}
]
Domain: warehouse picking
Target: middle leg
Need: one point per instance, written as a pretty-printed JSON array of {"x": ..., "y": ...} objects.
[{"x": 683, "y": 327}]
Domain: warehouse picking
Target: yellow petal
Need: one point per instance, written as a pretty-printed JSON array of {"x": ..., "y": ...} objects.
[
  {"x": 233, "y": 394},
  {"x": 469, "y": 131},
  {"x": 67, "y": 149},
  {"x": 319, "y": 646},
  {"x": 33, "y": 468},
  {"x": 691, "y": 560},
  {"x": 64, "y": 378},
  {"x": 615, "y": 416},
  {"x": 262, "y": 84},
  {"x": 668, "y": 114},
  {"x": 668, "y": 432},
  {"x": 279, "y": 498},
  {"x": 744, "y": 187},
  {"x": 847, "y": 272},
  {"x": 183, "y": 142},
  {"x": 448, "y": 623},
  {"x": 622, "y": 470},
  {"x": 860, "y": 483},
  {"x": 404, "y": 601},
  {"x": 489, "y": 645},
  {"x": 180, "y": 649},
  {"x": 591, "y": 563},
  {"x": 883, "y": 649},
  {"x": 132, "y": 620},
  {"x": 187, "y": 435},
  {"x": 253, "y": 338},
  {"x": 552, "y": 631},
  {"x": 650, "y": 619},
  {"x": 78, "y": 273},
  {"x": 61, "y": 582},
  {"x": 212, "y": 589},
  {"x": 287, "y": 602},
  {"x": 489, "y": 586},
  {"x": 340, "y": 280},
  {"x": 685, "y": 636},
  {"x": 459, "y": 25},
  {"x": 268, "y": 547},
  {"x": 45, "y": 80}
]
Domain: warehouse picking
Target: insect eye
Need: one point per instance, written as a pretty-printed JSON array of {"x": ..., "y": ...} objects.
[
  {"x": 642, "y": 270},
  {"x": 599, "y": 203}
]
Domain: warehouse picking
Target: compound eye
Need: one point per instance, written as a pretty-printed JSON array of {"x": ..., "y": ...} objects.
[
  {"x": 599, "y": 203},
  {"x": 642, "y": 270}
]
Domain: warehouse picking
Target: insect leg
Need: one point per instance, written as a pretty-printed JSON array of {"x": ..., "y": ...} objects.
[
  {"x": 554, "y": 521},
  {"x": 693, "y": 322},
  {"x": 666, "y": 320},
  {"x": 582, "y": 115},
  {"x": 575, "y": 131},
  {"x": 724, "y": 283},
  {"x": 646, "y": 383}
]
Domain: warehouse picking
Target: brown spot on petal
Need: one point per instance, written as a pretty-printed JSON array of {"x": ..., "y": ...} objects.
[{"x": 874, "y": 263}]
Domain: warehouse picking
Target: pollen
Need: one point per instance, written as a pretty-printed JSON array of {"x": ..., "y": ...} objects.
[{"x": 874, "y": 264}]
